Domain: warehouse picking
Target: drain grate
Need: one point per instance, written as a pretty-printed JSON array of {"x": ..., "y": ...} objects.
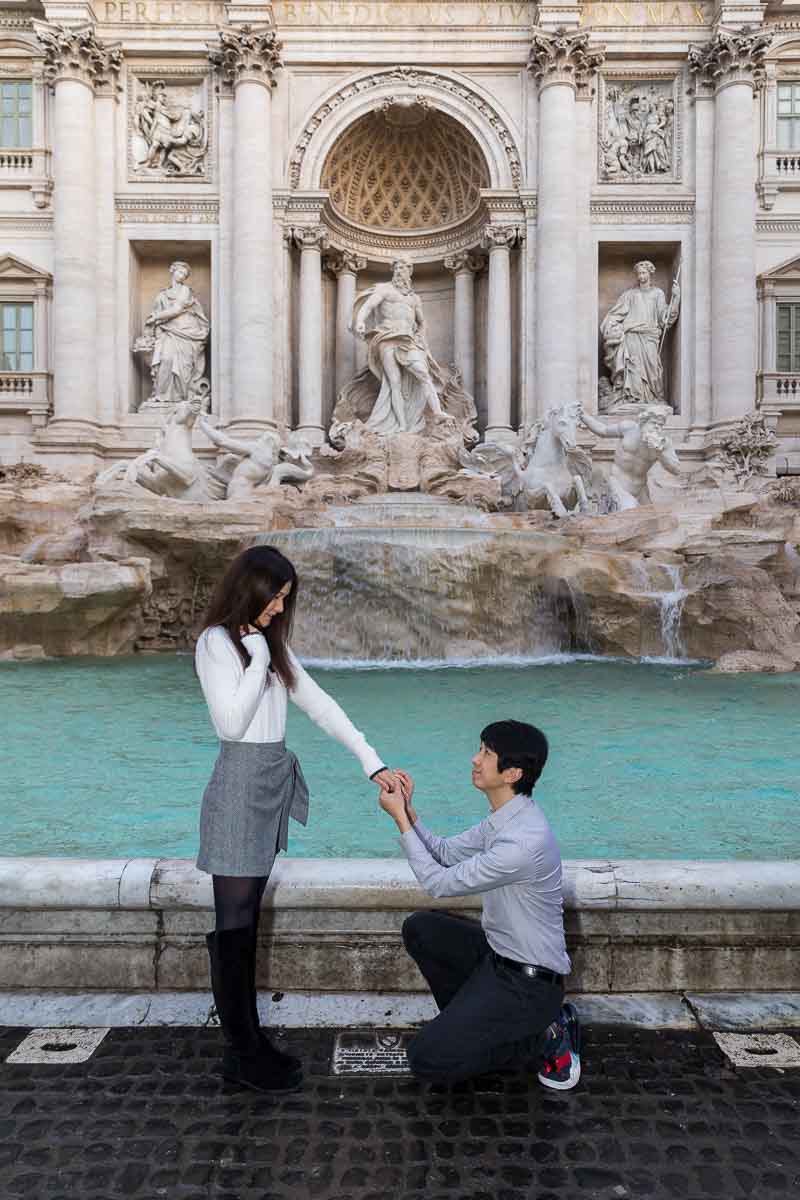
[
  {"x": 370, "y": 1054},
  {"x": 57, "y": 1046},
  {"x": 759, "y": 1049}
]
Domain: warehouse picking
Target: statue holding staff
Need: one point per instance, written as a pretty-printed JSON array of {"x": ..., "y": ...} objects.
[{"x": 633, "y": 332}]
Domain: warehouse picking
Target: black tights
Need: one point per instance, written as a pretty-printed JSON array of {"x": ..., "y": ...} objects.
[{"x": 237, "y": 900}]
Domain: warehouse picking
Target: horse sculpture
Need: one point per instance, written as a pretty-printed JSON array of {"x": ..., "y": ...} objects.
[{"x": 544, "y": 469}]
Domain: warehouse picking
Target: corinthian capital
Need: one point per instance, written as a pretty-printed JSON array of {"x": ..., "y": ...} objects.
[
  {"x": 247, "y": 53},
  {"x": 77, "y": 54},
  {"x": 310, "y": 237},
  {"x": 731, "y": 57},
  {"x": 496, "y": 237},
  {"x": 564, "y": 56}
]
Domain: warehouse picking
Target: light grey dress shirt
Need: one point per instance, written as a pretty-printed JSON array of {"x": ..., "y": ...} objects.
[{"x": 513, "y": 857}]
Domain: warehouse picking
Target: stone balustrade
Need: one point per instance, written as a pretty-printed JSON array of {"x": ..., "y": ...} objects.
[
  {"x": 30, "y": 169},
  {"x": 632, "y": 926},
  {"x": 780, "y": 390},
  {"x": 26, "y": 392}
]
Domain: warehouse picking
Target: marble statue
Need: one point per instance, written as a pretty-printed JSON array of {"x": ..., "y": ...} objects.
[
  {"x": 253, "y": 464},
  {"x": 178, "y": 330},
  {"x": 168, "y": 138},
  {"x": 643, "y": 443},
  {"x": 545, "y": 469},
  {"x": 633, "y": 332},
  {"x": 170, "y": 468},
  {"x": 389, "y": 317},
  {"x": 637, "y": 133}
]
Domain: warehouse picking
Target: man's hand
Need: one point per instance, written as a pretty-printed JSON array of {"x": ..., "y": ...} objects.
[
  {"x": 407, "y": 784},
  {"x": 394, "y": 804}
]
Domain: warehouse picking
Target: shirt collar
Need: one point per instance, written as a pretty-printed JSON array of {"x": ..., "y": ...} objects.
[{"x": 505, "y": 814}]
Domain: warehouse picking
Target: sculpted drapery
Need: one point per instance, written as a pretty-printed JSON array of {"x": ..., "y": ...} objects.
[{"x": 632, "y": 332}]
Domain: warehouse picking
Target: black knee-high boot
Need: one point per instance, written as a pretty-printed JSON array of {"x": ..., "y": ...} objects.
[
  {"x": 288, "y": 1060},
  {"x": 246, "y": 1059}
]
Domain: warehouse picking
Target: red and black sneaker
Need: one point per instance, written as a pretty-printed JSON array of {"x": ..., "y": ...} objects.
[{"x": 561, "y": 1065}]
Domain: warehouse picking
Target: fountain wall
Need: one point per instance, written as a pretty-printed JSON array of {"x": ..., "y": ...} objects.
[{"x": 334, "y": 925}]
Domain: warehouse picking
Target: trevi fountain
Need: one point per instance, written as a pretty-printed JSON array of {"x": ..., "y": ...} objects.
[{"x": 488, "y": 315}]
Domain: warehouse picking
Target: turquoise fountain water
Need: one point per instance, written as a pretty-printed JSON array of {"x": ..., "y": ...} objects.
[{"x": 106, "y": 758}]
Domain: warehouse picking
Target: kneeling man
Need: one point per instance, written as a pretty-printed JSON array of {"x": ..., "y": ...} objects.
[{"x": 499, "y": 987}]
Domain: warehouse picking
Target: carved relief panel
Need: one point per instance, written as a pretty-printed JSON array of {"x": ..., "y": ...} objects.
[
  {"x": 639, "y": 128},
  {"x": 170, "y": 120}
]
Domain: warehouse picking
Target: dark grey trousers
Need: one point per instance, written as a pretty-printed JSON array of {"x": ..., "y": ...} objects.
[{"x": 491, "y": 1016}]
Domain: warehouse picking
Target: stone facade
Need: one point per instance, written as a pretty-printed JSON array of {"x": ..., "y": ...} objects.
[{"x": 523, "y": 156}]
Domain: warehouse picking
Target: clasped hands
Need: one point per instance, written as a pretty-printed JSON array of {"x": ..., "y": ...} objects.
[{"x": 396, "y": 795}]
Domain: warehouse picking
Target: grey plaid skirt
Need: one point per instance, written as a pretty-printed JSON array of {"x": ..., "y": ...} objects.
[{"x": 254, "y": 789}]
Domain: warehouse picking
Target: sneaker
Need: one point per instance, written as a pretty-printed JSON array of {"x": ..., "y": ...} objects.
[{"x": 561, "y": 1066}]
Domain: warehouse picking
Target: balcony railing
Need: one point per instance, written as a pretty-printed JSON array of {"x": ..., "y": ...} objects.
[
  {"x": 779, "y": 390},
  {"x": 777, "y": 170},
  {"x": 27, "y": 168},
  {"x": 26, "y": 392}
]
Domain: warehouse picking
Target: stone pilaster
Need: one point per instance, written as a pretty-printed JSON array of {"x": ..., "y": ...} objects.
[
  {"x": 499, "y": 240},
  {"x": 345, "y": 266},
  {"x": 563, "y": 65},
  {"x": 311, "y": 241},
  {"x": 76, "y": 63},
  {"x": 732, "y": 64},
  {"x": 464, "y": 267},
  {"x": 248, "y": 59}
]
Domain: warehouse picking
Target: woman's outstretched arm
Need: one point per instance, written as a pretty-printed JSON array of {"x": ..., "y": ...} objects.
[{"x": 325, "y": 712}]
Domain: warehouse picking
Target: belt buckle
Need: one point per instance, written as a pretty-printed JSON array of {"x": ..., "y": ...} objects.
[{"x": 527, "y": 969}]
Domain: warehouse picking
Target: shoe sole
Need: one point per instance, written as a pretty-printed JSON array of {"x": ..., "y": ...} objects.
[
  {"x": 568, "y": 1084},
  {"x": 574, "y": 1026}
]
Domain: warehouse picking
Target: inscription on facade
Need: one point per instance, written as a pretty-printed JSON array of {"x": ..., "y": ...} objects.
[
  {"x": 437, "y": 13},
  {"x": 638, "y": 15},
  {"x": 163, "y": 12}
]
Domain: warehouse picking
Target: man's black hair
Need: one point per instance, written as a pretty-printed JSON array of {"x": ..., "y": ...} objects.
[{"x": 517, "y": 745}]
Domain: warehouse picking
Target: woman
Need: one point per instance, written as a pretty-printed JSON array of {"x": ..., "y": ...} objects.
[{"x": 246, "y": 671}]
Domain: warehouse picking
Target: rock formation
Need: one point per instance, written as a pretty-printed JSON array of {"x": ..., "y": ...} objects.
[{"x": 711, "y": 575}]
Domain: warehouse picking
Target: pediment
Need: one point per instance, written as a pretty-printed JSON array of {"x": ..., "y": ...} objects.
[
  {"x": 18, "y": 270},
  {"x": 786, "y": 271}
]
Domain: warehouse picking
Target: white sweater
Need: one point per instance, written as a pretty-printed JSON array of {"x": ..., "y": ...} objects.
[{"x": 244, "y": 709}]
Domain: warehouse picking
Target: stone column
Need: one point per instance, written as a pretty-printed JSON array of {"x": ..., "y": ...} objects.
[
  {"x": 311, "y": 241},
  {"x": 248, "y": 58},
  {"x": 498, "y": 240},
  {"x": 105, "y": 115},
  {"x": 562, "y": 64},
  {"x": 769, "y": 334},
  {"x": 75, "y": 63},
  {"x": 464, "y": 267},
  {"x": 345, "y": 266},
  {"x": 734, "y": 63},
  {"x": 703, "y": 226}
]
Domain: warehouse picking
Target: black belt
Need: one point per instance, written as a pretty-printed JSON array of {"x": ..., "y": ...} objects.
[{"x": 529, "y": 969}]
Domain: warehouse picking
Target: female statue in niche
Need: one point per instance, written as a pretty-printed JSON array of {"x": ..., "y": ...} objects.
[
  {"x": 633, "y": 332},
  {"x": 179, "y": 329}
]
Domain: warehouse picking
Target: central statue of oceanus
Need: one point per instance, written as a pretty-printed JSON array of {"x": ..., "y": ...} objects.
[{"x": 402, "y": 389}]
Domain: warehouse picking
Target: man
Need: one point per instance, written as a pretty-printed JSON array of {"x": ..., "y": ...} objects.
[
  {"x": 500, "y": 987},
  {"x": 644, "y": 443},
  {"x": 389, "y": 316}
]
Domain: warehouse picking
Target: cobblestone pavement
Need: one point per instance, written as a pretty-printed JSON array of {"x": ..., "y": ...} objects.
[{"x": 657, "y": 1114}]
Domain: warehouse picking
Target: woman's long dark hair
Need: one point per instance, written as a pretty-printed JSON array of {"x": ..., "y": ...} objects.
[{"x": 253, "y": 579}]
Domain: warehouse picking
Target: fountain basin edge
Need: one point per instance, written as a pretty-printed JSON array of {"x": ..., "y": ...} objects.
[{"x": 138, "y": 924}]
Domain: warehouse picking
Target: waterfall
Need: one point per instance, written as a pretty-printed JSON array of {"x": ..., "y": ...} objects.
[
  {"x": 425, "y": 595},
  {"x": 671, "y": 604}
]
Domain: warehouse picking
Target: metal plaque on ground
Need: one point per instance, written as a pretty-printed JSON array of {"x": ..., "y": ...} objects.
[{"x": 370, "y": 1053}]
